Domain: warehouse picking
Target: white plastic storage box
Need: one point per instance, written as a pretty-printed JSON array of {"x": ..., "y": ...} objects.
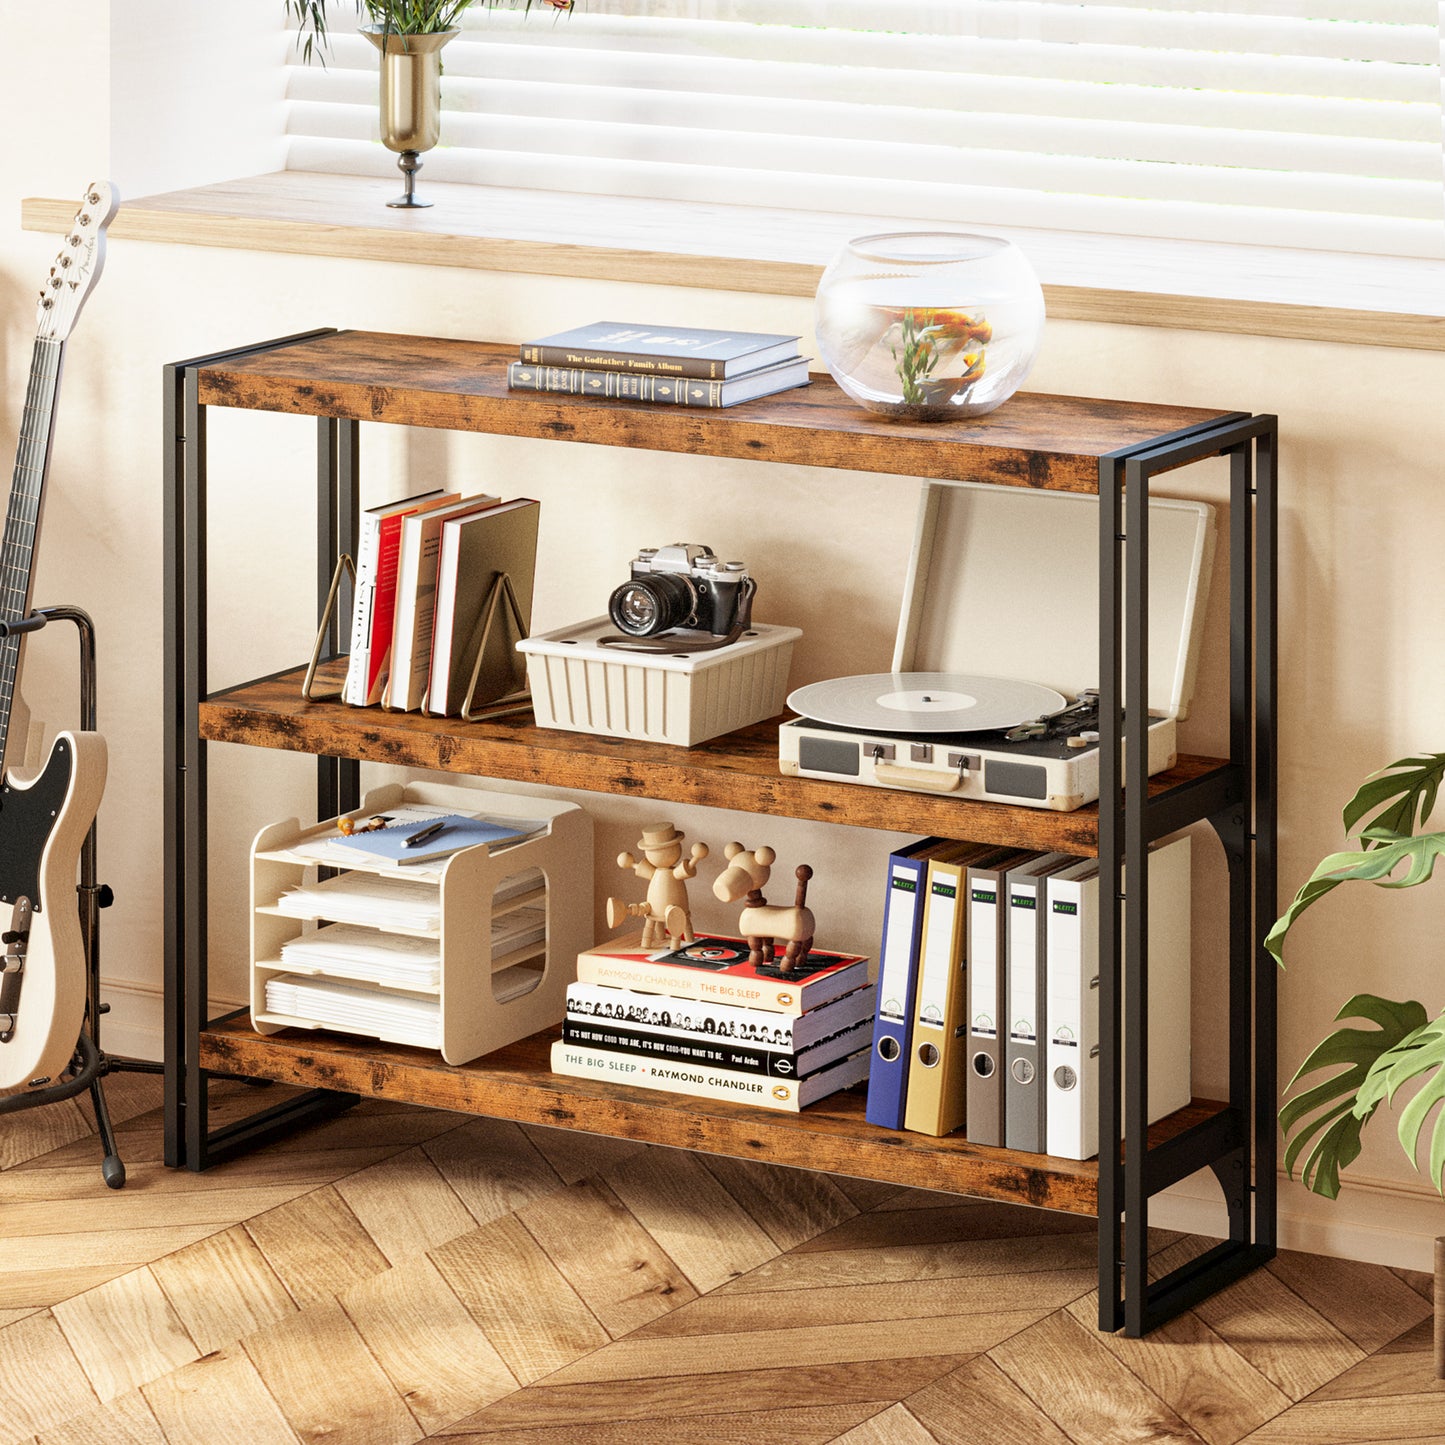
[{"x": 681, "y": 698}]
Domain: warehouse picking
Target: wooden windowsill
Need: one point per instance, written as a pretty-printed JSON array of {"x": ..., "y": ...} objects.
[{"x": 1251, "y": 290}]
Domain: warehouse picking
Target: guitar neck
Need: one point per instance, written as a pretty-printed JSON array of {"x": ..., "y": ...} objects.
[{"x": 22, "y": 517}]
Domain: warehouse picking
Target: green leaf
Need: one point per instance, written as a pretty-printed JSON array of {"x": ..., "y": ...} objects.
[
  {"x": 1386, "y": 852},
  {"x": 1404, "y": 793},
  {"x": 1422, "y": 1051},
  {"x": 1344, "y": 1108}
]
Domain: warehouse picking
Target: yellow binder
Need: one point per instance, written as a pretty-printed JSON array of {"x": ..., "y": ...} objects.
[{"x": 938, "y": 1070}]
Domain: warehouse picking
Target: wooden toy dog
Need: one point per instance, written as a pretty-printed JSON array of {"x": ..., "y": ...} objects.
[
  {"x": 665, "y": 914},
  {"x": 764, "y": 925}
]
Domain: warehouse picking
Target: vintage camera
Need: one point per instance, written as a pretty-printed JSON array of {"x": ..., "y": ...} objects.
[{"x": 683, "y": 587}]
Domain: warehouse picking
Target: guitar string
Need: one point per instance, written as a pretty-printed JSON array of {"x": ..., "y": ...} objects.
[{"x": 23, "y": 512}]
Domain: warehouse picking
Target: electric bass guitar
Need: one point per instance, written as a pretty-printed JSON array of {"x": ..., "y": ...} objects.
[{"x": 45, "y": 813}]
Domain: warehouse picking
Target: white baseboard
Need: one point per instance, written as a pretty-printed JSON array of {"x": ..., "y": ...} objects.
[
  {"x": 1377, "y": 1221},
  {"x": 133, "y": 1027}
]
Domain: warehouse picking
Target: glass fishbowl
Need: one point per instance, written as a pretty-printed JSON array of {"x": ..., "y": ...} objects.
[{"x": 929, "y": 325}]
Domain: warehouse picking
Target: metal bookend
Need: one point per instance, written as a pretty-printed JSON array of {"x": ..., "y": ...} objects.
[
  {"x": 520, "y": 699},
  {"x": 343, "y": 564}
]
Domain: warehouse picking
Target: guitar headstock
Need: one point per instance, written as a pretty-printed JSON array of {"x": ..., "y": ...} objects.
[{"x": 78, "y": 265}]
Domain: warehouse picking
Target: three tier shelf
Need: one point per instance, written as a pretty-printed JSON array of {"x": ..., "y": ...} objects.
[{"x": 1112, "y": 449}]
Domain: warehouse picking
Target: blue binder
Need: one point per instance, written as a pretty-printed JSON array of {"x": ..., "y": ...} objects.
[{"x": 897, "y": 984}]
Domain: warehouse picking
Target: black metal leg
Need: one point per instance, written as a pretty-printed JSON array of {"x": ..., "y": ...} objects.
[
  {"x": 1136, "y": 895},
  {"x": 1111, "y": 839},
  {"x": 338, "y": 487},
  {"x": 1266, "y": 826},
  {"x": 189, "y": 1140},
  {"x": 111, "y": 1168}
]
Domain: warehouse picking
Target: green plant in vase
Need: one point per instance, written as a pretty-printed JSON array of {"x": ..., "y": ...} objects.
[
  {"x": 393, "y": 17},
  {"x": 1323, "y": 1121},
  {"x": 410, "y": 35}
]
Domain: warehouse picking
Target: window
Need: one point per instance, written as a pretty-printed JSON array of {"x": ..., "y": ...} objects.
[{"x": 1305, "y": 123}]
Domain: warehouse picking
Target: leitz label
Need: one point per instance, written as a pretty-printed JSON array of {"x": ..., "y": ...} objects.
[
  {"x": 945, "y": 890},
  {"x": 982, "y": 895},
  {"x": 1062, "y": 907},
  {"x": 908, "y": 885},
  {"x": 1022, "y": 900}
]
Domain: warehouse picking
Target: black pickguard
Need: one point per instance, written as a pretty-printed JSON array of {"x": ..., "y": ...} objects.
[{"x": 27, "y": 818}]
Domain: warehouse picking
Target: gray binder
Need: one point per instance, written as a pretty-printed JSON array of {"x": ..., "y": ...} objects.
[
  {"x": 987, "y": 997},
  {"x": 1026, "y": 1028}
]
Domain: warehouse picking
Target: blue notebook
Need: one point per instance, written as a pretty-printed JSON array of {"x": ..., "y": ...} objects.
[{"x": 456, "y": 832}]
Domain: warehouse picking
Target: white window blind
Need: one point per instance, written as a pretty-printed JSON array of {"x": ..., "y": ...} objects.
[{"x": 1312, "y": 123}]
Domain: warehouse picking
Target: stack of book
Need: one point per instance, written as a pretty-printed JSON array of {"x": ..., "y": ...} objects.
[
  {"x": 988, "y": 999},
  {"x": 680, "y": 365},
  {"x": 425, "y": 570},
  {"x": 700, "y": 1020}
]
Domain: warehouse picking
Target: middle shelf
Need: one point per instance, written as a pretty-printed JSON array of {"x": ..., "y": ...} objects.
[{"x": 738, "y": 771}]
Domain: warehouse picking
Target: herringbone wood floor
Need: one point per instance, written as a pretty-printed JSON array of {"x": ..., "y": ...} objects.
[{"x": 401, "y": 1274}]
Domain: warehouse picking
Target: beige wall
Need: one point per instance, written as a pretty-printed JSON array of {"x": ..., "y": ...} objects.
[{"x": 1362, "y": 528}]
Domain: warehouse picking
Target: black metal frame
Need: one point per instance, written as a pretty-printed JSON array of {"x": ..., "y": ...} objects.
[
  {"x": 189, "y": 1139},
  {"x": 1239, "y": 1144}
]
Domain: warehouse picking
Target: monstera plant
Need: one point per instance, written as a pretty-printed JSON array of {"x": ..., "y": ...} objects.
[{"x": 1323, "y": 1120}]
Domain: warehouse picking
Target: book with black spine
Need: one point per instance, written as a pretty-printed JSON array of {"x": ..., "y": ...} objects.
[{"x": 716, "y": 1052}]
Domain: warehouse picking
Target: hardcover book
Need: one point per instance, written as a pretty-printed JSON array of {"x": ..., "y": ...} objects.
[
  {"x": 590, "y": 1003},
  {"x": 673, "y": 390},
  {"x": 375, "y": 594},
  {"x": 475, "y": 548},
  {"x": 701, "y": 1082},
  {"x": 714, "y": 1052},
  {"x": 416, "y": 594},
  {"x": 662, "y": 351},
  {"x": 715, "y": 969}
]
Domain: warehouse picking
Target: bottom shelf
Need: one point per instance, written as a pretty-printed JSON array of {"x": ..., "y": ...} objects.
[{"x": 517, "y": 1083}]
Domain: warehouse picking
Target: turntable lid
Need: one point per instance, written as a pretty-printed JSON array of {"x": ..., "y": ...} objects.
[{"x": 1006, "y": 583}]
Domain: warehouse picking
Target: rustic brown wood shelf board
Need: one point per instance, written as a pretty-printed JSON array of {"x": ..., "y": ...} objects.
[
  {"x": 1050, "y": 442},
  {"x": 517, "y": 1083},
  {"x": 738, "y": 771}
]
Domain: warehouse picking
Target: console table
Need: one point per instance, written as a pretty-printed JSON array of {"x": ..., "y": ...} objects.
[{"x": 1112, "y": 449}]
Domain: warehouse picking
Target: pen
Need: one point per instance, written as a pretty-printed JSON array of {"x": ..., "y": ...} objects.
[{"x": 424, "y": 834}]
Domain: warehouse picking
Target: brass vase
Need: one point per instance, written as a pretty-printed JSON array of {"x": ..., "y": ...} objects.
[{"x": 411, "y": 99}]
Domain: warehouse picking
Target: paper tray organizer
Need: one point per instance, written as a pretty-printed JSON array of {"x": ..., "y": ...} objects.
[{"x": 473, "y": 1021}]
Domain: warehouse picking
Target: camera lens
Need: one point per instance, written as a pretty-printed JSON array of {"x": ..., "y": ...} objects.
[{"x": 646, "y": 606}]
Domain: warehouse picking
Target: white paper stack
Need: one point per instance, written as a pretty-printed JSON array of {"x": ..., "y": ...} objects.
[
  {"x": 394, "y": 1017},
  {"x": 362, "y": 953},
  {"x": 517, "y": 929},
  {"x": 367, "y": 899}
]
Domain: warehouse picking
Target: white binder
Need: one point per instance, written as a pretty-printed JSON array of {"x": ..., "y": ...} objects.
[{"x": 1072, "y": 969}]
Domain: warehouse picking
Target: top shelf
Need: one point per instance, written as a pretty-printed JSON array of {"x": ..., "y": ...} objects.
[{"x": 1049, "y": 443}]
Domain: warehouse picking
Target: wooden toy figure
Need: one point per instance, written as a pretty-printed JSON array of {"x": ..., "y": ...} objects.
[
  {"x": 666, "y": 917},
  {"x": 765, "y": 925}
]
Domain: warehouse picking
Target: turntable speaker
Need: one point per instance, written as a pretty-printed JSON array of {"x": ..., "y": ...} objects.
[{"x": 1000, "y": 599}]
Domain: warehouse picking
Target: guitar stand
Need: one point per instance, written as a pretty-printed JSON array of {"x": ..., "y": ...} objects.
[{"x": 90, "y": 1064}]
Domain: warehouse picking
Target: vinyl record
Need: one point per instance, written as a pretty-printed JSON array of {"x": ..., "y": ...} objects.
[{"x": 924, "y": 702}]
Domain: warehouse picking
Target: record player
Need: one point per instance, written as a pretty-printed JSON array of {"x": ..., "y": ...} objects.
[{"x": 993, "y": 693}]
